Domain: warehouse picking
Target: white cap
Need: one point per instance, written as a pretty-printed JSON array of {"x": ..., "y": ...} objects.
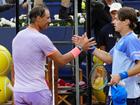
[{"x": 115, "y": 7}]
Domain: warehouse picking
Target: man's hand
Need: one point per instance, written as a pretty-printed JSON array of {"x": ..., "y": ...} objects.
[
  {"x": 114, "y": 79},
  {"x": 83, "y": 41}
]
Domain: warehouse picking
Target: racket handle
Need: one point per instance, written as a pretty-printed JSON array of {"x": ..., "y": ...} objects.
[{"x": 120, "y": 83}]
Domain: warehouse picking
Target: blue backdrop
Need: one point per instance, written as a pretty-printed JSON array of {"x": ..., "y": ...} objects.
[{"x": 61, "y": 36}]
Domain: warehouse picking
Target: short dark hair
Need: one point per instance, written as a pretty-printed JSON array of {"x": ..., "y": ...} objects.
[
  {"x": 37, "y": 11},
  {"x": 130, "y": 14}
]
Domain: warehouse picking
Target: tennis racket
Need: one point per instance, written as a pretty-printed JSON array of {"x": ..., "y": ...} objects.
[{"x": 98, "y": 77}]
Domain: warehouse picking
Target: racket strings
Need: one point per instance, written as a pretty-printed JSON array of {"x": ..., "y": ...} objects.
[{"x": 99, "y": 78}]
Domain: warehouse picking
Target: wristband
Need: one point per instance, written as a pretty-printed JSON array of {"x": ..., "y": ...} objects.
[
  {"x": 75, "y": 52},
  {"x": 92, "y": 49},
  {"x": 123, "y": 75}
]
